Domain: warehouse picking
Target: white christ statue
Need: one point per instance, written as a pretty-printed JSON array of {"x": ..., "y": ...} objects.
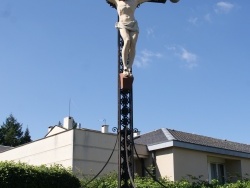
[{"x": 129, "y": 29}]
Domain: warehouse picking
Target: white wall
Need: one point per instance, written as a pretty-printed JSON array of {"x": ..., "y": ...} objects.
[
  {"x": 92, "y": 150},
  {"x": 55, "y": 130},
  {"x": 165, "y": 163},
  {"x": 55, "y": 149},
  {"x": 245, "y": 167},
  {"x": 86, "y": 151}
]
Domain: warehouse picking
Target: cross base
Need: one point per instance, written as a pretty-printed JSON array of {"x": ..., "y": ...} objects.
[{"x": 126, "y": 82}]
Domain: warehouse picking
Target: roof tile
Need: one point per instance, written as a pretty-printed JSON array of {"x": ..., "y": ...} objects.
[
  {"x": 209, "y": 141},
  {"x": 153, "y": 137},
  {"x": 159, "y": 136}
]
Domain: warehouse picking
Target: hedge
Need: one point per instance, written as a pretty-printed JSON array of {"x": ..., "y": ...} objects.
[
  {"x": 110, "y": 181},
  {"x": 22, "y": 175}
]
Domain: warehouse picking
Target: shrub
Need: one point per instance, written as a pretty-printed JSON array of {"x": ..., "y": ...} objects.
[
  {"x": 110, "y": 181},
  {"x": 22, "y": 175}
]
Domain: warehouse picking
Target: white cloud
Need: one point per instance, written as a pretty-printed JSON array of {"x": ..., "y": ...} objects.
[
  {"x": 207, "y": 17},
  {"x": 173, "y": 48},
  {"x": 193, "y": 20},
  {"x": 145, "y": 57},
  {"x": 189, "y": 58},
  {"x": 150, "y": 31},
  {"x": 223, "y": 7}
]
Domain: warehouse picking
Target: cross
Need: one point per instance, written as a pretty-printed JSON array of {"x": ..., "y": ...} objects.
[{"x": 128, "y": 31}]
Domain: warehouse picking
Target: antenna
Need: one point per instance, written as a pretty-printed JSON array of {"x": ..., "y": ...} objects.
[
  {"x": 103, "y": 120},
  {"x": 69, "y": 106}
]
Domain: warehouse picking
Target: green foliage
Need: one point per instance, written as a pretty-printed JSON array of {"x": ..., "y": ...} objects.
[
  {"x": 74, "y": 124},
  {"x": 21, "y": 175},
  {"x": 11, "y": 133},
  {"x": 107, "y": 181},
  {"x": 26, "y": 138},
  {"x": 110, "y": 181},
  {"x": 59, "y": 123}
]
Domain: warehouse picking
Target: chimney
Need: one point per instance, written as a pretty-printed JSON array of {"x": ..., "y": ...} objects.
[
  {"x": 105, "y": 128},
  {"x": 68, "y": 122},
  {"x": 137, "y": 133}
]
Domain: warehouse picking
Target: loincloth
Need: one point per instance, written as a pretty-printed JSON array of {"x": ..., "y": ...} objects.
[{"x": 131, "y": 26}]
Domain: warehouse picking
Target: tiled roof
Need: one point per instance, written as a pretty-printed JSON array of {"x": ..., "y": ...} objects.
[
  {"x": 153, "y": 137},
  {"x": 4, "y": 148},
  {"x": 164, "y": 135},
  {"x": 208, "y": 141}
]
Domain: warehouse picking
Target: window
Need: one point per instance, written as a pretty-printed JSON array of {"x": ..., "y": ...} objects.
[
  {"x": 217, "y": 171},
  {"x": 213, "y": 171}
]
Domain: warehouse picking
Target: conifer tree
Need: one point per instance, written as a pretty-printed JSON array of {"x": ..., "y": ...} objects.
[
  {"x": 11, "y": 133},
  {"x": 26, "y": 137}
]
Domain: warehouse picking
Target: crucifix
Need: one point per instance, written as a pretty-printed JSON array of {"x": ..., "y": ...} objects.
[{"x": 128, "y": 31}]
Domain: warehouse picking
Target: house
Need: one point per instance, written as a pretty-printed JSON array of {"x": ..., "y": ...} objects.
[
  {"x": 85, "y": 151},
  {"x": 173, "y": 154},
  {"x": 176, "y": 154}
]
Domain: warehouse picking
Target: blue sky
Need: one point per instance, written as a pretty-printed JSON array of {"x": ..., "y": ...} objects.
[{"x": 191, "y": 69}]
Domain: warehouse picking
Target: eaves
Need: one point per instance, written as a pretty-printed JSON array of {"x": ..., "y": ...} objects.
[{"x": 209, "y": 149}]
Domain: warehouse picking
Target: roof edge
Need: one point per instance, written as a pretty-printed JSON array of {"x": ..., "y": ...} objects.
[
  {"x": 168, "y": 135},
  {"x": 209, "y": 149}
]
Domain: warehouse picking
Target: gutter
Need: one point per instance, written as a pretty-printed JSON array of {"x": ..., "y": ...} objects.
[{"x": 176, "y": 143}]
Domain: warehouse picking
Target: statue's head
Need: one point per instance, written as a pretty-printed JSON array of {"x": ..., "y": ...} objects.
[{"x": 174, "y": 1}]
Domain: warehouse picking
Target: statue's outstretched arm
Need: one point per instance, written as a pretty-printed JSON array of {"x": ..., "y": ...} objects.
[
  {"x": 154, "y": 1},
  {"x": 163, "y": 1},
  {"x": 112, "y": 3},
  {"x": 158, "y": 1}
]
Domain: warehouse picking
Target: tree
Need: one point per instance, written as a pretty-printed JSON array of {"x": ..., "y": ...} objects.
[
  {"x": 74, "y": 124},
  {"x": 26, "y": 137},
  {"x": 59, "y": 124},
  {"x": 11, "y": 133}
]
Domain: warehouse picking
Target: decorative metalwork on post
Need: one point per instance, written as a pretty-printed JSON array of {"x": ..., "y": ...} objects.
[{"x": 125, "y": 124}]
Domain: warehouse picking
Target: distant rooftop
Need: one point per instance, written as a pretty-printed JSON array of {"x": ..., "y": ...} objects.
[
  {"x": 165, "y": 135},
  {"x": 4, "y": 148}
]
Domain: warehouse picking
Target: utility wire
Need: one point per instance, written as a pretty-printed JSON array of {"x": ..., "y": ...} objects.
[
  {"x": 126, "y": 151},
  {"x": 152, "y": 176},
  {"x": 104, "y": 165}
]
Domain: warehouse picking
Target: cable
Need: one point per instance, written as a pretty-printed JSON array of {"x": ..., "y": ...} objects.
[
  {"x": 152, "y": 176},
  {"x": 126, "y": 151},
  {"x": 104, "y": 165}
]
